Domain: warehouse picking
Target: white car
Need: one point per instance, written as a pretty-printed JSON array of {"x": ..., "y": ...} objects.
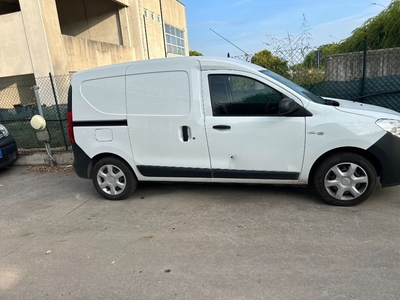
[{"x": 201, "y": 119}]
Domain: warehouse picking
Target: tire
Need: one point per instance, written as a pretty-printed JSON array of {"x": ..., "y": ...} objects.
[
  {"x": 113, "y": 178},
  {"x": 345, "y": 179}
]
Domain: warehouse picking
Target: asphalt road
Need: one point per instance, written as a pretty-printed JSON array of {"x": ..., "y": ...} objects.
[{"x": 60, "y": 240}]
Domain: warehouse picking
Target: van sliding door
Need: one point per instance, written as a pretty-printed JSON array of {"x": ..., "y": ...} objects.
[{"x": 165, "y": 121}]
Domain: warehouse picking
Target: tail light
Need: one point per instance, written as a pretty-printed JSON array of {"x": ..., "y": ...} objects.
[{"x": 70, "y": 127}]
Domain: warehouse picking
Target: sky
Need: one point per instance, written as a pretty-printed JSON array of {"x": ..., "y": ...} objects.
[{"x": 253, "y": 25}]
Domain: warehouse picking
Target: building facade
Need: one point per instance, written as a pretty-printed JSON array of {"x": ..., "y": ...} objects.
[{"x": 61, "y": 37}]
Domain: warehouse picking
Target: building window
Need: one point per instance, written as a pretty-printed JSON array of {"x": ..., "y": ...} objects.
[
  {"x": 146, "y": 13},
  {"x": 153, "y": 16},
  {"x": 9, "y": 7},
  {"x": 159, "y": 18},
  {"x": 175, "y": 39}
]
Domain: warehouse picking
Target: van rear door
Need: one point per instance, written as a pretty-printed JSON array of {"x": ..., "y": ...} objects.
[{"x": 165, "y": 120}]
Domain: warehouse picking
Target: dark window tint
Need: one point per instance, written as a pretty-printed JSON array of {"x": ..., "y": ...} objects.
[{"x": 233, "y": 95}]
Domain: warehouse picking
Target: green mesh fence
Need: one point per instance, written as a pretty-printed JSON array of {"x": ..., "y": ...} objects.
[{"x": 18, "y": 105}]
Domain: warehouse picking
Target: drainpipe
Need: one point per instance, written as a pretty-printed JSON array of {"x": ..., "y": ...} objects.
[
  {"x": 163, "y": 29},
  {"x": 145, "y": 35}
]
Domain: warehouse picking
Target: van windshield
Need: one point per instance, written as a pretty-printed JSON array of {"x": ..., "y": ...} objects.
[{"x": 297, "y": 88}]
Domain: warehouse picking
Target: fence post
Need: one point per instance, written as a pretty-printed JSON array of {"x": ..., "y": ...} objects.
[
  {"x": 46, "y": 143},
  {"x": 39, "y": 105},
  {"x": 364, "y": 76},
  {"x": 58, "y": 111}
]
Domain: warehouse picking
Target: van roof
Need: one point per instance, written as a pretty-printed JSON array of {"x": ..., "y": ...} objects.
[
  {"x": 206, "y": 63},
  {"x": 212, "y": 63}
]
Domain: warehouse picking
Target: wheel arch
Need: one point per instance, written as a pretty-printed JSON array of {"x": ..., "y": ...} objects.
[
  {"x": 369, "y": 156},
  {"x": 100, "y": 156}
]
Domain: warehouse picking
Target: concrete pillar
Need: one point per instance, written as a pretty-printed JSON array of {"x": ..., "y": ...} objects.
[
  {"x": 125, "y": 27},
  {"x": 54, "y": 37},
  {"x": 135, "y": 14},
  {"x": 45, "y": 44},
  {"x": 44, "y": 37},
  {"x": 36, "y": 37}
]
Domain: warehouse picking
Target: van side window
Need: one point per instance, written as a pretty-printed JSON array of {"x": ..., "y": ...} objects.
[
  {"x": 233, "y": 95},
  {"x": 158, "y": 94}
]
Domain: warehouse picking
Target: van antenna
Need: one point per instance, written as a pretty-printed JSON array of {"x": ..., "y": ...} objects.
[{"x": 230, "y": 42}]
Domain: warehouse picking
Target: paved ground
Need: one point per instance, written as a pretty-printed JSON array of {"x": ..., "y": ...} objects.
[{"x": 60, "y": 240}]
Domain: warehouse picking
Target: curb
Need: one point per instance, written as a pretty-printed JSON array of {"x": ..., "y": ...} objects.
[{"x": 41, "y": 158}]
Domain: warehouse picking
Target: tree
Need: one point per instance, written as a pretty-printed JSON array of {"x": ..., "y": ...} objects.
[
  {"x": 195, "y": 53},
  {"x": 298, "y": 55},
  {"x": 381, "y": 31},
  {"x": 325, "y": 50},
  {"x": 265, "y": 59},
  {"x": 294, "y": 47}
]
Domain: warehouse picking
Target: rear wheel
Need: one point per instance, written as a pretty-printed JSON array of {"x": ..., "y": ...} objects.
[
  {"x": 113, "y": 179},
  {"x": 345, "y": 179}
]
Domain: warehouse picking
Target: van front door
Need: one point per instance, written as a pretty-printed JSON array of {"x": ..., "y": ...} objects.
[
  {"x": 247, "y": 137},
  {"x": 165, "y": 121}
]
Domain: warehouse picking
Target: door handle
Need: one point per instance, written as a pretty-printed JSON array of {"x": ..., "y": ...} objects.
[
  {"x": 185, "y": 133},
  {"x": 222, "y": 127}
]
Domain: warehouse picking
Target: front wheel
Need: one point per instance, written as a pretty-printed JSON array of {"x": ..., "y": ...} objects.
[
  {"x": 113, "y": 179},
  {"x": 345, "y": 179}
]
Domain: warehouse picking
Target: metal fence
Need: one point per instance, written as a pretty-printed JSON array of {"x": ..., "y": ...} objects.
[
  {"x": 18, "y": 106},
  {"x": 371, "y": 77}
]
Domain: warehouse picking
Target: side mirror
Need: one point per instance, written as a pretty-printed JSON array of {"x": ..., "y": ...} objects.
[{"x": 287, "y": 106}]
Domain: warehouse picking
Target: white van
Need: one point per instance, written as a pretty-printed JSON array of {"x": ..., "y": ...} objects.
[{"x": 200, "y": 119}]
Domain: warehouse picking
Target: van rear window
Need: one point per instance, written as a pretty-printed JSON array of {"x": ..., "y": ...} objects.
[
  {"x": 106, "y": 95},
  {"x": 161, "y": 93}
]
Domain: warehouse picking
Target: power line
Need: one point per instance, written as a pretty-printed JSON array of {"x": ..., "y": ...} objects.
[{"x": 230, "y": 42}]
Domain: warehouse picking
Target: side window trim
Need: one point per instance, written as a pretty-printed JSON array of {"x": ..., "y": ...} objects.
[{"x": 238, "y": 95}]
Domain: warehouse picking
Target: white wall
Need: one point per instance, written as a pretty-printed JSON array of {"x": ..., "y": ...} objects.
[{"x": 14, "y": 53}]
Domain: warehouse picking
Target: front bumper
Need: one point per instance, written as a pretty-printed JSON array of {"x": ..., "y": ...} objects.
[
  {"x": 387, "y": 151},
  {"x": 8, "y": 151}
]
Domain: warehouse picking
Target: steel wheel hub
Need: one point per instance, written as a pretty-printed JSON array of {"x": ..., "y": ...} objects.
[
  {"x": 111, "y": 179},
  {"x": 346, "y": 181}
]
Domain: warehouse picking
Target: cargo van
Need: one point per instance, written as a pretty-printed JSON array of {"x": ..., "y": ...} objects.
[{"x": 202, "y": 119}]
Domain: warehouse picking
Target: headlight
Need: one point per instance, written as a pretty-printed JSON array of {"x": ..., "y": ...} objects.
[
  {"x": 3, "y": 131},
  {"x": 392, "y": 126}
]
